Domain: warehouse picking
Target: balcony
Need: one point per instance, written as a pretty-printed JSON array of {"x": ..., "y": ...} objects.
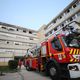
[
  {"x": 17, "y": 39},
  {"x": 72, "y": 12}
]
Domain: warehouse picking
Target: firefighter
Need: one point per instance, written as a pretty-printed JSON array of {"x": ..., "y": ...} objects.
[{"x": 19, "y": 63}]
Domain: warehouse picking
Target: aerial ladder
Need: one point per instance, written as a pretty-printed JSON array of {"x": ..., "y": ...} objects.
[{"x": 59, "y": 55}]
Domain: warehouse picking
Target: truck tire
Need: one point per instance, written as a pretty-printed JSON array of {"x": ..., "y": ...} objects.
[{"x": 54, "y": 72}]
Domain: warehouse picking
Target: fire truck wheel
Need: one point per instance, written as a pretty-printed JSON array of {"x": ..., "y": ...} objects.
[{"x": 53, "y": 72}]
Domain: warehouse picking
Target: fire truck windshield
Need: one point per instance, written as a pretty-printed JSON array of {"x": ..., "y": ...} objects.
[{"x": 71, "y": 41}]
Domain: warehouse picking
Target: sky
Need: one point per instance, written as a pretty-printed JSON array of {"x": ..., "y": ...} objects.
[{"x": 30, "y": 13}]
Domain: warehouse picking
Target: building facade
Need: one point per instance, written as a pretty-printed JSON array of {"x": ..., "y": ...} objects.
[
  {"x": 69, "y": 14},
  {"x": 41, "y": 33},
  {"x": 14, "y": 41}
]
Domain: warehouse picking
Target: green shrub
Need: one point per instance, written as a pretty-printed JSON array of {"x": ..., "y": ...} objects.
[{"x": 13, "y": 64}]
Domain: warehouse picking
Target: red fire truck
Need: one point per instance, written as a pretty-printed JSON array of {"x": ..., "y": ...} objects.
[{"x": 58, "y": 56}]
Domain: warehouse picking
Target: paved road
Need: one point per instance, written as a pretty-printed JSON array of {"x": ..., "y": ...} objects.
[
  {"x": 32, "y": 75},
  {"x": 25, "y": 75}
]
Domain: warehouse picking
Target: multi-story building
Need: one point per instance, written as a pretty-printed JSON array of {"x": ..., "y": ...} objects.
[
  {"x": 41, "y": 33},
  {"x": 14, "y": 41},
  {"x": 69, "y": 14}
]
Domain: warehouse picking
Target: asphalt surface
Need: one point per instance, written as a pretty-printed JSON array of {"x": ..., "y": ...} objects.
[{"x": 23, "y": 74}]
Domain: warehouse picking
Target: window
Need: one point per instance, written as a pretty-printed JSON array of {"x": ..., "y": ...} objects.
[
  {"x": 71, "y": 19},
  {"x": 24, "y": 31},
  {"x": 54, "y": 21},
  {"x": 60, "y": 17},
  {"x": 31, "y": 38},
  {"x": 16, "y": 43},
  {"x": 62, "y": 24},
  {"x": 46, "y": 34},
  {"x": 7, "y": 42},
  {"x": 3, "y": 27},
  {"x": 10, "y": 29},
  {"x": 71, "y": 41},
  {"x": 30, "y": 32},
  {"x": 68, "y": 11},
  {"x": 74, "y": 5},
  {"x": 56, "y": 44},
  {"x": 50, "y": 32},
  {"x": 17, "y": 29},
  {"x": 55, "y": 29}
]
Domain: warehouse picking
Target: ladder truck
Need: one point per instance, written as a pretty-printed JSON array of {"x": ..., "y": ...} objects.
[{"x": 58, "y": 56}]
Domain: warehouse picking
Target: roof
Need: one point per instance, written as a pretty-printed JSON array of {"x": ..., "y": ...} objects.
[{"x": 15, "y": 26}]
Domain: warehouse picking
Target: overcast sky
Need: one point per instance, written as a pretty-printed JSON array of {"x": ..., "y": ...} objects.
[{"x": 30, "y": 13}]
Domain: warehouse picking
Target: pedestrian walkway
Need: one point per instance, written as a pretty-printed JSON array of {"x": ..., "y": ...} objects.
[{"x": 10, "y": 76}]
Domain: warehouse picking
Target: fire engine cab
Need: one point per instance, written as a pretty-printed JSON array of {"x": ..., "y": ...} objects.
[{"x": 58, "y": 56}]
